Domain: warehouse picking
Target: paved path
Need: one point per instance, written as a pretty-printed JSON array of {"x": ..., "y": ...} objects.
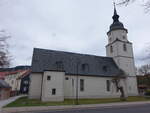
[
  {"x": 144, "y": 108},
  {"x": 7, "y": 101},
  {"x": 73, "y": 108}
]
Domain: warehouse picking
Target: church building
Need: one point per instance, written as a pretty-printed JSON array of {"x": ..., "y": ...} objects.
[{"x": 59, "y": 75}]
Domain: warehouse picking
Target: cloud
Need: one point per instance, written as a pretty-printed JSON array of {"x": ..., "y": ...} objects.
[{"x": 69, "y": 25}]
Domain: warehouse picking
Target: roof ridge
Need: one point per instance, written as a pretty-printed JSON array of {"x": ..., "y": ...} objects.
[{"x": 71, "y": 52}]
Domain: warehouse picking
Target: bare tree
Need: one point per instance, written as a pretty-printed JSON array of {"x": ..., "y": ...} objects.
[
  {"x": 144, "y": 70},
  {"x": 124, "y": 2},
  {"x": 4, "y": 53},
  {"x": 117, "y": 82},
  {"x": 145, "y": 3}
]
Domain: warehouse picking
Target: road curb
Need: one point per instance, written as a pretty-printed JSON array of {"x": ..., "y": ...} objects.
[{"x": 68, "y": 107}]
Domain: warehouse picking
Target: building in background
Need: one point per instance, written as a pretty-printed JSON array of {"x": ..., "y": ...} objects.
[
  {"x": 14, "y": 77},
  {"x": 25, "y": 80},
  {"x": 143, "y": 82},
  {"x": 2, "y": 75},
  {"x": 5, "y": 90}
]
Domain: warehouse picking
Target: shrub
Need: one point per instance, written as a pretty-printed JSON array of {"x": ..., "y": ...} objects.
[{"x": 147, "y": 93}]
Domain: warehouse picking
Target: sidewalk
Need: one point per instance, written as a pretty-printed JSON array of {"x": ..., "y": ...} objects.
[
  {"x": 46, "y": 108},
  {"x": 11, "y": 99}
]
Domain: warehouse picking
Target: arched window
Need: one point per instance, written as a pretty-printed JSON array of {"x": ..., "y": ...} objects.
[
  {"x": 85, "y": 67},
  {"x": 124, "y": 47},
  {"x": 111, "y": 49}
]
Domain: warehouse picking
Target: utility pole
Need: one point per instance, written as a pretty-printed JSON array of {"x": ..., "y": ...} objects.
[{"x": 77, "y": 85}]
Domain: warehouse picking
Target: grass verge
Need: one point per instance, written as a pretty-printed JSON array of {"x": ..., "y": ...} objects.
[{"x": 24, "y": 101}]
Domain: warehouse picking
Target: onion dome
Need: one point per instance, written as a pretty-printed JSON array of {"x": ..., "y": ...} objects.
[{"x": 116, "y": 23}]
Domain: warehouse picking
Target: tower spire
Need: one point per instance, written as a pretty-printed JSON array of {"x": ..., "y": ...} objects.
[
  {"x": 115, "y": 12},
  {"x": 116, "y": 23},
  {"x": 115, "y": 16}
]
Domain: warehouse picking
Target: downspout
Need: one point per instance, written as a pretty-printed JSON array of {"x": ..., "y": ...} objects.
[{"x": 41, "y": 86}]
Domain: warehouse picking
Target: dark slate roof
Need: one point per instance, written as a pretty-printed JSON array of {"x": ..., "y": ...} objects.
[
  {"x": 116, "y": 23},
  {"x": 73, "y": 63},
  {"x": 3, "y": 84}
]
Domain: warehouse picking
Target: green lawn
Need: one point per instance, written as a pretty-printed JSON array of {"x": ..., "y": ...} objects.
[{"x": 24, "y": 101}]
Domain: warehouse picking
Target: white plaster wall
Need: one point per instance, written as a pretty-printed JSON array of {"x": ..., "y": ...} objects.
[
  {"x": 15, "y": 85},
  {"x": 118, "y": 50},
  {"x": 35, "y": 85},
  {"x": 115, "y": 50},
  {"x": 121, "y": 52},
  {"x": 9, "y": 81},
  {"x": 117, "y": 34},
  {"x": 132, "y": 86},
  {"x": 69, "y": 88},
  {"x": 57, "y": 82},
  {"x": 18, "y": 84},
  {"x": 126, "y": 64},
  {"x": 124, "y": 59},
  {"x": 94, "y": 87}
]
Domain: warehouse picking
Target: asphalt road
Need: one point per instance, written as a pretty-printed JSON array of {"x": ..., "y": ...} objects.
[{"x": 144, "y": 108}]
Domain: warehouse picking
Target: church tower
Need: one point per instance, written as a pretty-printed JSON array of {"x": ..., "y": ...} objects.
[{"x": 120, "y": 49}]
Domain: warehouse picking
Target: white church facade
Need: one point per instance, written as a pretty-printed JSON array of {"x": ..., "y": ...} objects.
[{"x": 57, "y": 75}]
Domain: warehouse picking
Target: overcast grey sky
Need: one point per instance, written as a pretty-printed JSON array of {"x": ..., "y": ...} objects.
[{"x": 70, "y": 25}]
